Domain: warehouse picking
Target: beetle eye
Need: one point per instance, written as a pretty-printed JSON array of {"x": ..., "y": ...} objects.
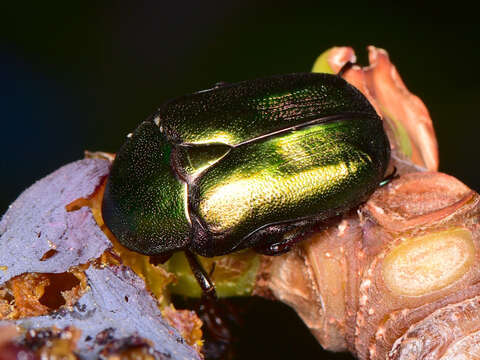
[{"x": 192, "y": 159}]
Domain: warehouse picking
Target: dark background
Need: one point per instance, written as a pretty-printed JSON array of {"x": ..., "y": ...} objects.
[{"x": 77, "y": 77}]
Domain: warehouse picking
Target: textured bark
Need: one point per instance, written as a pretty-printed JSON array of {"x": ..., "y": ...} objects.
[
  {"x": 363, "y": 282},
  {"x": 107, "y": 303}
]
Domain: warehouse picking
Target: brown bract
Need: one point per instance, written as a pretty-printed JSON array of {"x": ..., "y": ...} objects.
[{"x": 452, "y": 332}]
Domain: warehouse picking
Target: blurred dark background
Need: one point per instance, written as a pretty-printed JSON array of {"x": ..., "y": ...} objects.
[{"x": 77, "y": 77}]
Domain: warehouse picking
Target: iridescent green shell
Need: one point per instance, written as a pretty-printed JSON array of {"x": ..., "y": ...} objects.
[{"x": 245, "y": 165}]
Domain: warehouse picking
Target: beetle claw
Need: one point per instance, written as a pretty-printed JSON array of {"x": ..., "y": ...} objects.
[{"x": 390, "y": 177}]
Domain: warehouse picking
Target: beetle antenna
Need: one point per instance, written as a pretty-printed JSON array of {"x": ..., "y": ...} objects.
[
  {"x": 347, "y": 66},
  {"x": 201, "y": 275}
]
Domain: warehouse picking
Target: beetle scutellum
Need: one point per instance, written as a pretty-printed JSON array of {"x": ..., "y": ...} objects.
[{"x": 246, "y": 165}]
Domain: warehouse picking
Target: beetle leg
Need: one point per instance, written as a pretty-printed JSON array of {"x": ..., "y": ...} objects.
[
  {"x": 390, "y": 177},
  {"x": 284, "y": 244},
  {"x": 210, "y": 273},
  {"x": 347, "y": 66},
  {"x": 200, "y": 274},
  {"x": 275, "y": 249}
]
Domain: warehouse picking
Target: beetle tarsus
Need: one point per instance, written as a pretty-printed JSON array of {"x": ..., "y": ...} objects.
[
  {"x": 390, "y": 177},
  {"x": 200, "y": 274},
  {"x": 274, "y": 249},
  {"x": 210, "y": 273}
]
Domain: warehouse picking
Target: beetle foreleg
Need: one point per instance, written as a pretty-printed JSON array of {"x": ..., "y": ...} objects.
[{"x": 200, "y": 274}]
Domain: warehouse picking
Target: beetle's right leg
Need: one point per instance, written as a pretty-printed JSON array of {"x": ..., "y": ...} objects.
[
  {"x": 200, "y": 274},
  {"x": 390, "y": 177},
  {"x": 281, "y": 243}
]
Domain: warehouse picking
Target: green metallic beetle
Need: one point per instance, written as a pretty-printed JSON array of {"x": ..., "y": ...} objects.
[{"x": 247, "y": 165}]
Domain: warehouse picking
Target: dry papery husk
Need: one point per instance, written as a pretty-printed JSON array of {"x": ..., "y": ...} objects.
[
  {"x": 397, "y": 278},
  {"x": 405, "y": 117}
]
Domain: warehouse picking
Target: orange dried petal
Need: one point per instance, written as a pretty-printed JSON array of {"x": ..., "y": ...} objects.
[{"x": 407, "y": 121}]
